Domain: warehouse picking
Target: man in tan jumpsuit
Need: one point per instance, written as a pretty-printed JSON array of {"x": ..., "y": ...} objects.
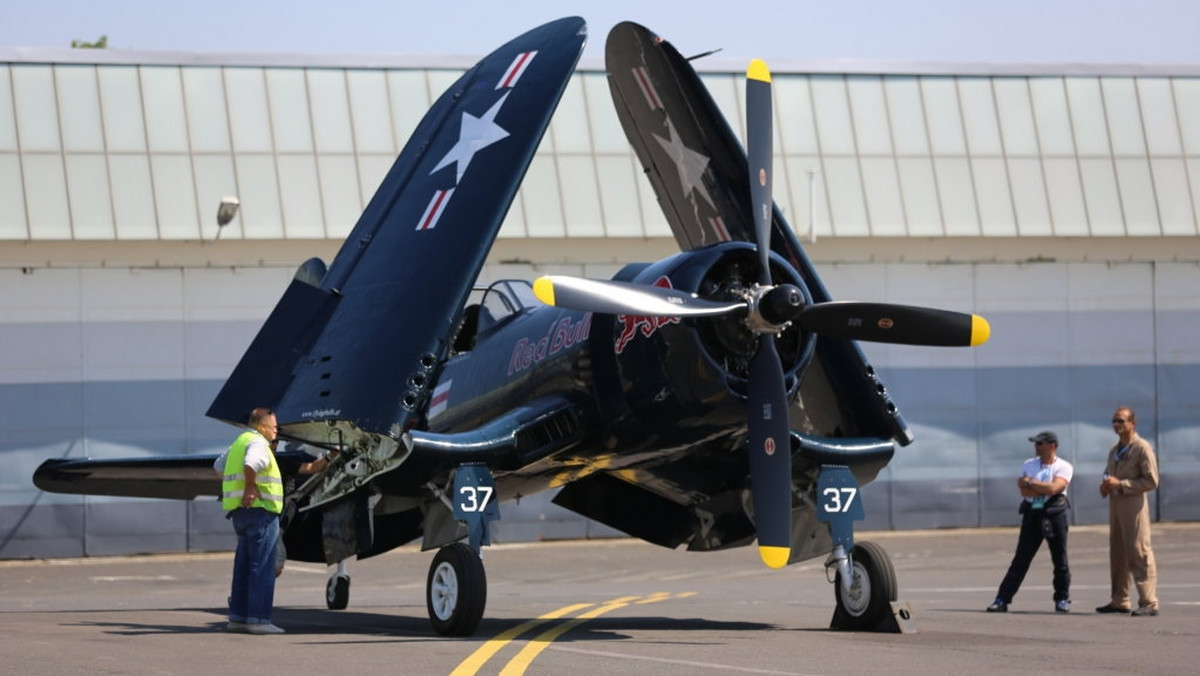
[{"x": 1132, "y": 471}]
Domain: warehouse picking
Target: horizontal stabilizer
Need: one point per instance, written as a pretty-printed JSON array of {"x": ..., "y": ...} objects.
[{"x": 177, "y": 478}]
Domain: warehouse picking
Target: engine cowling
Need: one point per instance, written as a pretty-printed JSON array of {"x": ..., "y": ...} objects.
[{"x": 695, "y": 369}]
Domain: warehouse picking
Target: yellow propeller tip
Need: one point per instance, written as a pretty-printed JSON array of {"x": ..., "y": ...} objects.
[
  {"x": 980, "y": 330},
  {"x": 543, "y": 288},
  {"x": 758, "y": 71},
  {"x": 774, "y": 557}
]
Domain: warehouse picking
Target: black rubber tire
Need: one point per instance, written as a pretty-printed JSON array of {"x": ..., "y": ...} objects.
[
  {"x": 337, "y": 592},
  {"x": 456, "y": 591},
  {"x": 869, "y": 602}
]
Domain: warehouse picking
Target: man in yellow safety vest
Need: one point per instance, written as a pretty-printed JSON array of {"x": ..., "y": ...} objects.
[{"x": 252, "y": 496}]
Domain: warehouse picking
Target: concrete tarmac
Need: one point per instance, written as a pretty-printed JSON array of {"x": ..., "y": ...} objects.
[{"x": 609, "y": 606}]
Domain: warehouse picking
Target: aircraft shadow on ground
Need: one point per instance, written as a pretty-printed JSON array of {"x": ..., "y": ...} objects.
[
  {"x": 318, "y": 621},
  {"x": 613, "y": 628}
]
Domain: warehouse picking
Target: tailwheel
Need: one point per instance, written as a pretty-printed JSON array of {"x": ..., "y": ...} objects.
[
  {"x": 456, "y": 590},
  {"x": 866, "y": 605},
  {"x": 337, "y": 592}
]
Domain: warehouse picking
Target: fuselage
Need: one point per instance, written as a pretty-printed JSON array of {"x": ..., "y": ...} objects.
[{"x": 660, "y": 399}]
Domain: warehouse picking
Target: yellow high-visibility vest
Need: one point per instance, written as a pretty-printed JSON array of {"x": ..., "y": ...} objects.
[{"x": 269, "y": 481}]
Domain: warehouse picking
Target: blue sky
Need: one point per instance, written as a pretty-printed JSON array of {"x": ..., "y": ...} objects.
[{"x": 1084, "y": 31}]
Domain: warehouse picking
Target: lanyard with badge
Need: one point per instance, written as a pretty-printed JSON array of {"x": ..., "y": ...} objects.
[{"x": 1039, "y": 502}]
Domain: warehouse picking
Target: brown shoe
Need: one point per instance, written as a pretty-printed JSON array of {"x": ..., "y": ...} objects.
[
  {"x": 1145, "y": 611},
  {"x": 1110, "y": 608}
]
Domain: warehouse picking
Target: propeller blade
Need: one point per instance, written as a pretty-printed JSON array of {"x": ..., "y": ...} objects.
[
  {"x": 758, "y": 156},
  {"x": 623, "y": 298},
  {"x": 770, "y": 455},
  {"x": 767, "y": 404},
  {"x": 899, "y": 324}
]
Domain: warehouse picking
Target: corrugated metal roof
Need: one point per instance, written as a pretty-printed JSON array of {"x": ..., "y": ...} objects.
[
  {"x": 712, "y": 63},
  {"x": 130, "y": 145}
]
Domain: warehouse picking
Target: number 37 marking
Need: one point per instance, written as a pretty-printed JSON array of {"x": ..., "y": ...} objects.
[
  {"x": 476, "y": 499},
  {"x": 838, "y": 499}
]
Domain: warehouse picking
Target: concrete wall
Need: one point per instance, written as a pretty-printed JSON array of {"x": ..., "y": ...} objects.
[
  {"x": 1070, "y": 343},
  {"x": 123, "y": 362}
]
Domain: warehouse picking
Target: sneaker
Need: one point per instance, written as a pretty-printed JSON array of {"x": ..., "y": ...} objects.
[
  {"x": 998, "y": 606},
  {"x": 1110, "y": 608},
  {"x": 1144, "y": 611},
  {"x": 262, "y": 628},
  {"x": 237, "y": 627},
  {"x": 1063, "y": 606}
]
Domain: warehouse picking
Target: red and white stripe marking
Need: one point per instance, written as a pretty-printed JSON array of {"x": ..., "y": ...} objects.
[
  {"x": 516, "y": 69},
  {"x": 440, "y": 398},
  {"x": 643, "y": 79},
  {"x": 437, "y": 206}
]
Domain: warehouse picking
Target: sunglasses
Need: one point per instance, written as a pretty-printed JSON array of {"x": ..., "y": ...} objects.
[{"x": 1119, "y": 420}]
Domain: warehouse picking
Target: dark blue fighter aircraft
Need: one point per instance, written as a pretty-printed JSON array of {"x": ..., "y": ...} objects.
[{"x": 710, "y": 399}]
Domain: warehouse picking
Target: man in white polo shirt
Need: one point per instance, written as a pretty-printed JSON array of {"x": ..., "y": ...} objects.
[{"x": 1045, "y": 515}]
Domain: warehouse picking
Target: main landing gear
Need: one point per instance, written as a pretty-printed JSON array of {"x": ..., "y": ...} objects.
[
  {"x": 864, "y": 580},
  {"x": 456, "y": 590},
  {"x": 864, "y": 601}
]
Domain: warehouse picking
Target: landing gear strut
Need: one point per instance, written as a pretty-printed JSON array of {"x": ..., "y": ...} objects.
[{"x": 456, "y": 590}]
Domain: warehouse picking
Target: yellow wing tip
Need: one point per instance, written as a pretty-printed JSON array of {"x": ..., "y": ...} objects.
[
  {"x": 980, "y": 330},
  {"x": 543, "y": 288},
  {"x": 758, "y": 71},
  {"x": 774, "y": 557}
]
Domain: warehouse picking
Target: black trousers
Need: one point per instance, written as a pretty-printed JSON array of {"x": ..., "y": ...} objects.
[{"x": 1036, "y": 526}]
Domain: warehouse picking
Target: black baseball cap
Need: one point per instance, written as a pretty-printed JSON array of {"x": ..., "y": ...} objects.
[{"x": 1047, "y": 436}]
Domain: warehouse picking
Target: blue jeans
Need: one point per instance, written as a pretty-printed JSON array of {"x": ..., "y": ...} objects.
[{"x": 253, "y": 591}]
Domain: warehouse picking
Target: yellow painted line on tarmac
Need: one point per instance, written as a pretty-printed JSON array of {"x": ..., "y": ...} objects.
[
  {"x": 517, "y": 665},
  {"x": 534, "y": 647},
  {"x": 472, "y": 664}
]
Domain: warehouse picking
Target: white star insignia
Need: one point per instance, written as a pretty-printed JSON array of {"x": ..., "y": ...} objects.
[
  {"x": 690, "y": 164},
  {"x": 474, "y": 134}
]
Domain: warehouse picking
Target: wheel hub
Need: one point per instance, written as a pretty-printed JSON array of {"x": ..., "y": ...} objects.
[
  {"x": 443, "y": 591},
  {"x": 858, "y": 597}
]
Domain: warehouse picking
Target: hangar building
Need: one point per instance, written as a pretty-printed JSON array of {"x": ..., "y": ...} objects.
[{"x": 1059, "y": 201}]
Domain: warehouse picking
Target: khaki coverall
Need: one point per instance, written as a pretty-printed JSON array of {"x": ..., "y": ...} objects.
[{"x": 1129, "y": 523}]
